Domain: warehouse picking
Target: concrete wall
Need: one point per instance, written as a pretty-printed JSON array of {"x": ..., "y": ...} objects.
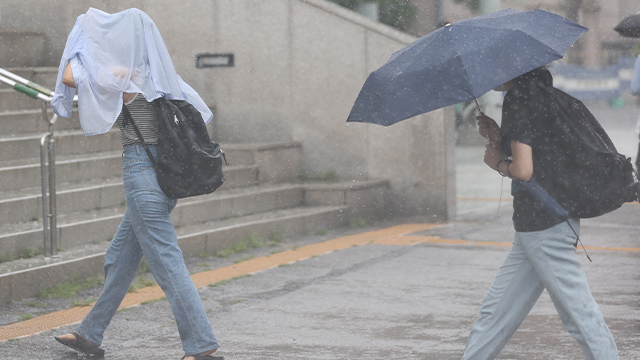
[{"x": 299, "y": 65}]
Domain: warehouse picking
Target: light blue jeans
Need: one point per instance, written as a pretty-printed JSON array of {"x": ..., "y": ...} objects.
[
  {"x": 539, "y": 260},
  {"x": 146, "y": 229}
]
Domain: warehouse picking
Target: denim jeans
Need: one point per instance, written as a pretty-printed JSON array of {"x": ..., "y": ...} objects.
[
  {"x": 541, "y": 260},
  {"x": 146, "y": 229}
]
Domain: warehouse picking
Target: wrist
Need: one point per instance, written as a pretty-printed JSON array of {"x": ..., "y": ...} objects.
[
  {"x": 504, "y": 173},
  {"x": 496, "y": 140}
]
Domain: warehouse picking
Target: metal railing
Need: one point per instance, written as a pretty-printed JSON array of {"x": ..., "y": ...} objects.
[{"x": 47, "y": 157}]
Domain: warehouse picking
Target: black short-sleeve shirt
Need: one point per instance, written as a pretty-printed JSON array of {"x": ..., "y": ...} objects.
[{"x": 527, "y": 118}]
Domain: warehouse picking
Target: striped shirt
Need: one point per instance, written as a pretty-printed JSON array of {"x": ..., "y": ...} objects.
[{"x": 144, "y": 114}]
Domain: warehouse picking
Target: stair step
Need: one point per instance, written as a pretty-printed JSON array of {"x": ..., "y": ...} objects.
[
  {"x": 104, "y": 165},
  {"x": 278, "y": 163},
  {"x": 28, "y": 277},
  {"x": 26, "y": 148},
  {"x": 216, "y": 235},
  {"x": 22, "y": 122},
  {"x": 22, "y": 205},
  {"x": 94, "y": 224},
  {"x": 11, "y": 100},
  {"x": 68, "y": 170},
  {"x": 363, "y": 200},
  {"x": 70, "y": 198}
]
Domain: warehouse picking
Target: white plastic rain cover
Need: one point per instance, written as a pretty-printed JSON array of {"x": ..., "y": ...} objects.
[{"x": 115, "y": 53}]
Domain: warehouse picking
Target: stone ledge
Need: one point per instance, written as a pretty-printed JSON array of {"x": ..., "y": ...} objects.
[
  {"x": 344, "y": 186},
  {"x": 366, "y": 199},
  {"x": 30, "y": 282},
  {"x": 263, "y": 147}
]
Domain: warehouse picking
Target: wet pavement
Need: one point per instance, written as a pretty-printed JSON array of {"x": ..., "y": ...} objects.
[{"x": 413, "y": 293}]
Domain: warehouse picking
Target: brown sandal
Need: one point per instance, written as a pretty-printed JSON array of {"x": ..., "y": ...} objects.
[
  {"x": 204, "y": 357},
  {"x": 82, "y": 345}
]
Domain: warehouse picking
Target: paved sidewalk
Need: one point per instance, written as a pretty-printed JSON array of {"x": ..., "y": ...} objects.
[{"x": 383, "y": 294}]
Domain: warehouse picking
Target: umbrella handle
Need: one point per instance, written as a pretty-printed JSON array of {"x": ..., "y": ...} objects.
[
  {"x": 481, "y": 113},
  {"x": 478, "y": 105}
]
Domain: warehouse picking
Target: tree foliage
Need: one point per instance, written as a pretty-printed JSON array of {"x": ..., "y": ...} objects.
[
  {"x": 474, "y": 5},
  {"x": 399, "y": 14}
]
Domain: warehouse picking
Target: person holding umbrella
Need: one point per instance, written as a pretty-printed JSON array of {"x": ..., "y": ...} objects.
[
  {"x": 460, "y": 62},
  {"x": 634, "y": 87},
  {"x": 630, "y": 27},
  {"x": 543, "y": 253}
]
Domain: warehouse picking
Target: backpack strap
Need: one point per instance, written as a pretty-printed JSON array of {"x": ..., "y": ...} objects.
[{"x": 128, "y": 119}]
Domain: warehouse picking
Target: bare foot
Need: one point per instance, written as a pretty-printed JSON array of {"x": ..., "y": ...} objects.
[
  {"x": 68, "y": 336},
  {"x": 71, "y": 336}
]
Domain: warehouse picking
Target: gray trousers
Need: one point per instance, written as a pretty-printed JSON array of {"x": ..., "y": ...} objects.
[{"x": 539, "y": 260}]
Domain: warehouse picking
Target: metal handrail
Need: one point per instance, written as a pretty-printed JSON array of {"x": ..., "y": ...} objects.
[
  {"x": 47, "y": 157},
  {"x": 25, "y": 86}
]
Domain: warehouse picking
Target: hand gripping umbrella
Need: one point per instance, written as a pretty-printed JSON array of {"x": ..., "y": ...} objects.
[{"x": 462, "y": 61}]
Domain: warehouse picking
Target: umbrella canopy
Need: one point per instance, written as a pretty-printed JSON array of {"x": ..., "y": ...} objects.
[
  {"x": 629, "y": 26},
  {"x": 461, "y": 62},
  {"x": 550, "y": 205}
]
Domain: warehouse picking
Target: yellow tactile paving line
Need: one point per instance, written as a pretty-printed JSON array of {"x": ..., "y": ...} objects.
[
  {"x": 76, "y": 314},
  {"x": 397, "y": 235}
]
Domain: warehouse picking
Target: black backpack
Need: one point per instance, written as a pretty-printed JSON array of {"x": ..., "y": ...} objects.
[
  {"x": 188, "y": 162},
  {"x": 596, "y": 179}
]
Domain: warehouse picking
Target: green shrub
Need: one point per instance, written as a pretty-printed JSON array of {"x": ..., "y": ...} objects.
[
  {"x": 399, "y": 14},
  {"x": 67, "y": 290}
]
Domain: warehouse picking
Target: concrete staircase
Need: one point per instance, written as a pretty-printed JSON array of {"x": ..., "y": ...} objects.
[{"x": 262, "y": 195}]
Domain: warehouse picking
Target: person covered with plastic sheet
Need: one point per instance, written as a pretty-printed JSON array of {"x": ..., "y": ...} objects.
[
  {"x": 543, "y": 255},
  {"x": 114, "y": 60}
]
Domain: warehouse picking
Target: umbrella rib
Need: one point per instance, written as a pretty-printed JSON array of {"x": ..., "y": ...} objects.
[
  {"x": 467, "y": 78},
  {"x": 476, "y": 92}
]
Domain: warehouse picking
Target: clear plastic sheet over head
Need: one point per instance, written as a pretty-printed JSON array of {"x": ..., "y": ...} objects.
[{"x": 115, "y": 53}]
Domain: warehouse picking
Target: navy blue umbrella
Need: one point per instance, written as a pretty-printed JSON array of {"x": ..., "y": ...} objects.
[
  {"x": 629, "y": 26},
  {"x": 462, "y": 61},
  {"x": 550, "y": 205}
]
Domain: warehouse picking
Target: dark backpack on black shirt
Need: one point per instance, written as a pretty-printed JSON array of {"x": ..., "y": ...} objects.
[{"x": 595, "y": 179}]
